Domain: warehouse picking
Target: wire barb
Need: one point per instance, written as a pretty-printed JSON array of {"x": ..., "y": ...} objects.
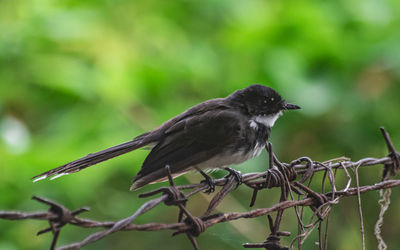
[
  {"x": 390, "y": 169},
  {"x": 62, "y": 217}
]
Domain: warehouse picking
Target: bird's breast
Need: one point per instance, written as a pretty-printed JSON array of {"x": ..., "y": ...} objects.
[{"x": 233, "y": 157}]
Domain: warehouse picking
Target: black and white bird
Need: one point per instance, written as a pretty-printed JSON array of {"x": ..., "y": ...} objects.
[{"x": 213, "y": 134}]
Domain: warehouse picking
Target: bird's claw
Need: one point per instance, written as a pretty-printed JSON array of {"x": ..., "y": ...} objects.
[
  {"x": 236, "y": 174},
  {"x": 210, "y": 182}
]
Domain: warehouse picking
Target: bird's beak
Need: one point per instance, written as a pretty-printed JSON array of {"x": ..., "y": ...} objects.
[{"x": 288, "y": 106}]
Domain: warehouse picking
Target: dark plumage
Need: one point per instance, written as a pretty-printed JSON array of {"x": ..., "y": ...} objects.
[{"x": 212, "y": 134}]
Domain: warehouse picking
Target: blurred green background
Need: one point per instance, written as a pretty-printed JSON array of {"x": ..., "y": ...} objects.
[{"x": 80, "y": 76}]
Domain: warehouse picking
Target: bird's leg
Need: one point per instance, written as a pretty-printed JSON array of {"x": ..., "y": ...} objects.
[
  {"x": 272, "y": 157},
  {"x": 236, "y": 174},
  {"x": 208, "y": 180}
]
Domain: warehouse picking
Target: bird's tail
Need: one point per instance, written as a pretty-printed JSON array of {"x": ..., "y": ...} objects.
[{"x": 94, "y": 158}]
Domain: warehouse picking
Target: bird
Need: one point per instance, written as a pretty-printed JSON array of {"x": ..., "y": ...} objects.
[{"x": 214, "y": 134}]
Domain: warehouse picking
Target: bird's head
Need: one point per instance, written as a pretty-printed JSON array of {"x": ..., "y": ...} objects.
[{"x": 261, "y": 102}]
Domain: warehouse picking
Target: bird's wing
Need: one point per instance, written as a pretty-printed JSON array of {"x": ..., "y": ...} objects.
[{"x": 191, "y": 141}]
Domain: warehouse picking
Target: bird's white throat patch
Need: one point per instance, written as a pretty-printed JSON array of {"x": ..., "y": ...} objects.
[{"x": 267, "y": 120}]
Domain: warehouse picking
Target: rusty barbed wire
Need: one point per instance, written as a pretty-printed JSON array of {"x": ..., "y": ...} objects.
[{"x": 279, "y": 175}]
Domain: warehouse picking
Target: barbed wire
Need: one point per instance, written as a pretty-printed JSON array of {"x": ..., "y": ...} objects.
[{"x": 295, "y": 194}]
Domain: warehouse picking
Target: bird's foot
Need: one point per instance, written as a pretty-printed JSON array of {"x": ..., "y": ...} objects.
[
  {"x": 210, "y": 182},
  {"x": 236, "y": 174}
]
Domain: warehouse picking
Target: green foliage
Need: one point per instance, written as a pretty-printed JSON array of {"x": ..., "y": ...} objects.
[{"x": 79, "y": 76}]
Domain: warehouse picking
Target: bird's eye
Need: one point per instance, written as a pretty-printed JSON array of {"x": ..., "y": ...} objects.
[
  {"x": 265, "y": 101},
  {"x": 272, "y": 99}
]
